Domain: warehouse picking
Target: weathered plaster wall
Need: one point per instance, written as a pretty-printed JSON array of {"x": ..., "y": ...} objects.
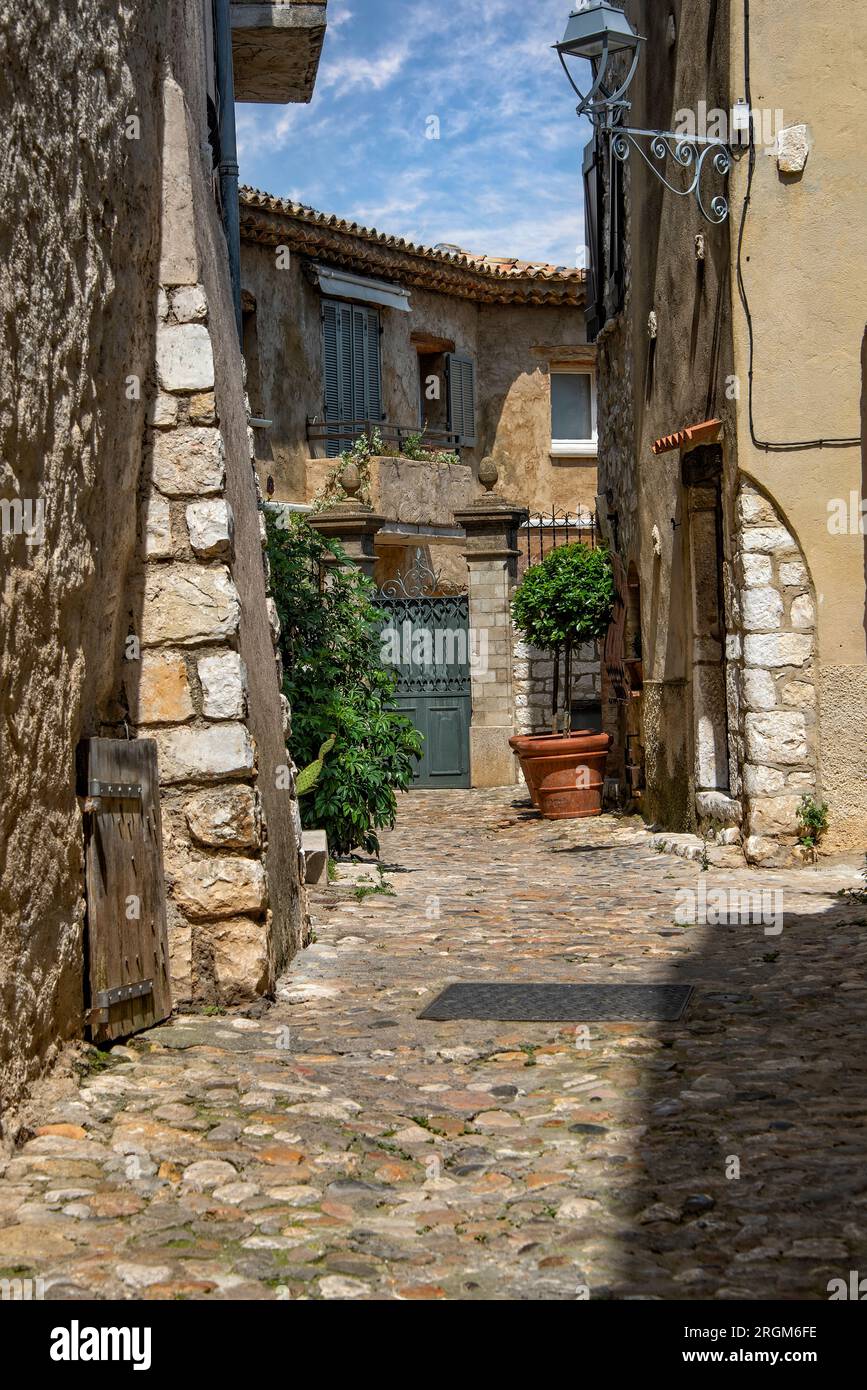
[
  {"x": 77, "y": 267},
  {"x": 804, "y": 249},
  {"x": 286, "y": 331},
  {"x": 517, "y": 344},
  {"x": 650, "y": 386},
  {"x": 80, "y": 271}
]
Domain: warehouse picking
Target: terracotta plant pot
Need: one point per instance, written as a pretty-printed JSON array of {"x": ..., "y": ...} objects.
[
  {"x": 518, "y": 744},
  {"x": 565, "y": 773}
]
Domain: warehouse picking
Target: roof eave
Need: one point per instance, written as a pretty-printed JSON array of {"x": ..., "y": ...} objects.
[{"x": 367, "y": 252}]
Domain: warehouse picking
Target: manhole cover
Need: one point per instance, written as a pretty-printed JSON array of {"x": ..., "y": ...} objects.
[{"x": 528, "y": 1003}]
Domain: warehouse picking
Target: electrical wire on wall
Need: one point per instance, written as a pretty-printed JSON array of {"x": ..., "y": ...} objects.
[{"x": 768, "y": 445}]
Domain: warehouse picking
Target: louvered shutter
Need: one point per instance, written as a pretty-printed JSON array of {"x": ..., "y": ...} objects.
[
  {"x": 351, "y": 366},
  {"x": 594, "y": 194},
  {"x": 344, "y": 314},
  {"x": 331, "y": 368},
  {"x": 462, "y": 399},
  {"x": 359, "y": 364},
  {"x": 374, "y": 374},
  {"x": 468, "y": 396}
]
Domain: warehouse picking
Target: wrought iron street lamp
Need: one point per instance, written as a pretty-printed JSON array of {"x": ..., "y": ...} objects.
[{"x": 601, "y": 34}]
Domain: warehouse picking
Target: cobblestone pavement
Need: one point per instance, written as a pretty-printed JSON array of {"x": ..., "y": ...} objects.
[{"x": 339, "y": 1147}]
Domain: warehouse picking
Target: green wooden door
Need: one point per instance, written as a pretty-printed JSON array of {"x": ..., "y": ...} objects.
[{"x": 426, "y": 639}]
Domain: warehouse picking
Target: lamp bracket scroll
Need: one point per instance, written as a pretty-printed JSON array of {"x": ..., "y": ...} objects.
[
  {"x": 696, "y": 154},
  {"x": 599, "y": 33}
]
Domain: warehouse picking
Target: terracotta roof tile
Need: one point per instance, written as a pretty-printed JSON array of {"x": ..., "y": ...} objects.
[
  {"x": 267, "y": 219},
  {"x": 705, "y": 433}
]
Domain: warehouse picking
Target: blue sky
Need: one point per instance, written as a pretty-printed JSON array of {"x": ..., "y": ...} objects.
[{"x": 504, "y": 176}]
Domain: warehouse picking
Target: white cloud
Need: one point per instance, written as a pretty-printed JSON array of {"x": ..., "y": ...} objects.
[
  {"x": 505, "y": 175},
  {"x": 352, "y": 72}
]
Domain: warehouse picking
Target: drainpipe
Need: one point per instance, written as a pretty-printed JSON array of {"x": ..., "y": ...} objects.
[{"x": 228, "y": 149}]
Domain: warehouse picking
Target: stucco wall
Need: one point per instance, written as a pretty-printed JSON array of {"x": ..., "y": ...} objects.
[
  {"x": 653, "y": 385},
  {"x": 77, "y": 272},
  {"x": 517, "y": 344},
  {"x": 803, "y": 250}
]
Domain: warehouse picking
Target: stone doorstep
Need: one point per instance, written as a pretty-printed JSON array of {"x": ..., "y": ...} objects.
[
  {"x": 315, "y": 846},
  {"x": 692, "y": 847}
]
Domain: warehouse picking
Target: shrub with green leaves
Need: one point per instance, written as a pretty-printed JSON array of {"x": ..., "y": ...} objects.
[
  {"x": 568, "y": 598},
  {"x": 336, "y": 684},
  {"x": 564, "y": 601}
]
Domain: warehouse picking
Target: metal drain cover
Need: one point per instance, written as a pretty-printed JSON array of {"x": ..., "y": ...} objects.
[{"x": 526, "y": 1003}]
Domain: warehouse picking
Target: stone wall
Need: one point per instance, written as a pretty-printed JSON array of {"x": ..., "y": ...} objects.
[
  {"x": 113, "y": 275},
  {"x": 491, "y": 585},
  {"x": 533, "y": 684},
  {"x": 773, "y": 654},
  {"x": 206, "y": 685},
  {"x": 79, "y": 243},
  {"x": 512, "y": 346}
]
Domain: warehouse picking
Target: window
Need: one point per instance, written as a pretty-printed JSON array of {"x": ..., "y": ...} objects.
[
  {"x": 573, "y": 413},
  {"x": 462, "y": 399},
  {"x": 351, "y": 367}
]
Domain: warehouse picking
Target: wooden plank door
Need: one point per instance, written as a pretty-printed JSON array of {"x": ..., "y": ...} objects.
[{"x": 126, "y": 906}]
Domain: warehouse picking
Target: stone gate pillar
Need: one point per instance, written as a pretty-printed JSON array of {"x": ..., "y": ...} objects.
[
  {"x": 355, "y": 526},
  {"x": 491, "y": 524}
]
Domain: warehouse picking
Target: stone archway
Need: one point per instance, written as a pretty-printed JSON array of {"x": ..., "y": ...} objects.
[{"x": 775, "y": 691}]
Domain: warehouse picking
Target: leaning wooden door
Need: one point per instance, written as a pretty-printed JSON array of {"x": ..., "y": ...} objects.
[{"x": 126, "y": 906}]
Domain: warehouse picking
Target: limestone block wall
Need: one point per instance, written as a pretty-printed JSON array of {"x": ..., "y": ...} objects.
[
  {"x": 491, "y": 584},
  {"x": 187, "y": 685},
  {"x": 201, "y": 675},
  {"x": 772, "y": 660},
  {"x": 533, "y": 683}
]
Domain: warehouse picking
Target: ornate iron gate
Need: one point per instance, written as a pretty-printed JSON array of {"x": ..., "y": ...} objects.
[{"x": 425, "y": 637}]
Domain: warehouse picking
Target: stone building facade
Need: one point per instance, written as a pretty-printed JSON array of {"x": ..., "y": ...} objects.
[
  {"x": 726, "y": 446},
  {"x": 516, "y": 331},
  {"x": 140, "y": 608}
]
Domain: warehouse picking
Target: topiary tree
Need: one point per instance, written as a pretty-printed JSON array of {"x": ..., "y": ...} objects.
[
  {"x": 564, "y": 601},
  {"x": 337, "y": 686}
]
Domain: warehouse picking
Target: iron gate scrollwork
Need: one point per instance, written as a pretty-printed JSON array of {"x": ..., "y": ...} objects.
[{"x": 425, "y": 638}]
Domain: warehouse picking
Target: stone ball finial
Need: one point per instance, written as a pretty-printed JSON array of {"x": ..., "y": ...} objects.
[
  {"x": 350, "y": 479},
  {"x": 488, "y": 473}
]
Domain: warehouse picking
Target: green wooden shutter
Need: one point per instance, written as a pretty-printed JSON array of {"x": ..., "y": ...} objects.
[
  {"x": 331, "y": 368},
  {"x": 359, "y": 364},
  {"x": 374, "y": 369},
  {"x": 347, "y": 404},
  {"x": 468, "y": 396},
  {"x": 351, "y": 366},
  {"x": 462, "y": 399}
]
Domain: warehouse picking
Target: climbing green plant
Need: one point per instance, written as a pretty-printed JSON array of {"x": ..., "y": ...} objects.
[
  {"x": 360, "y": 453},
  {"x": 338, "y": 687},
  {"x": 566, "y": 600},
  {"x": 414, "y": 447}
]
